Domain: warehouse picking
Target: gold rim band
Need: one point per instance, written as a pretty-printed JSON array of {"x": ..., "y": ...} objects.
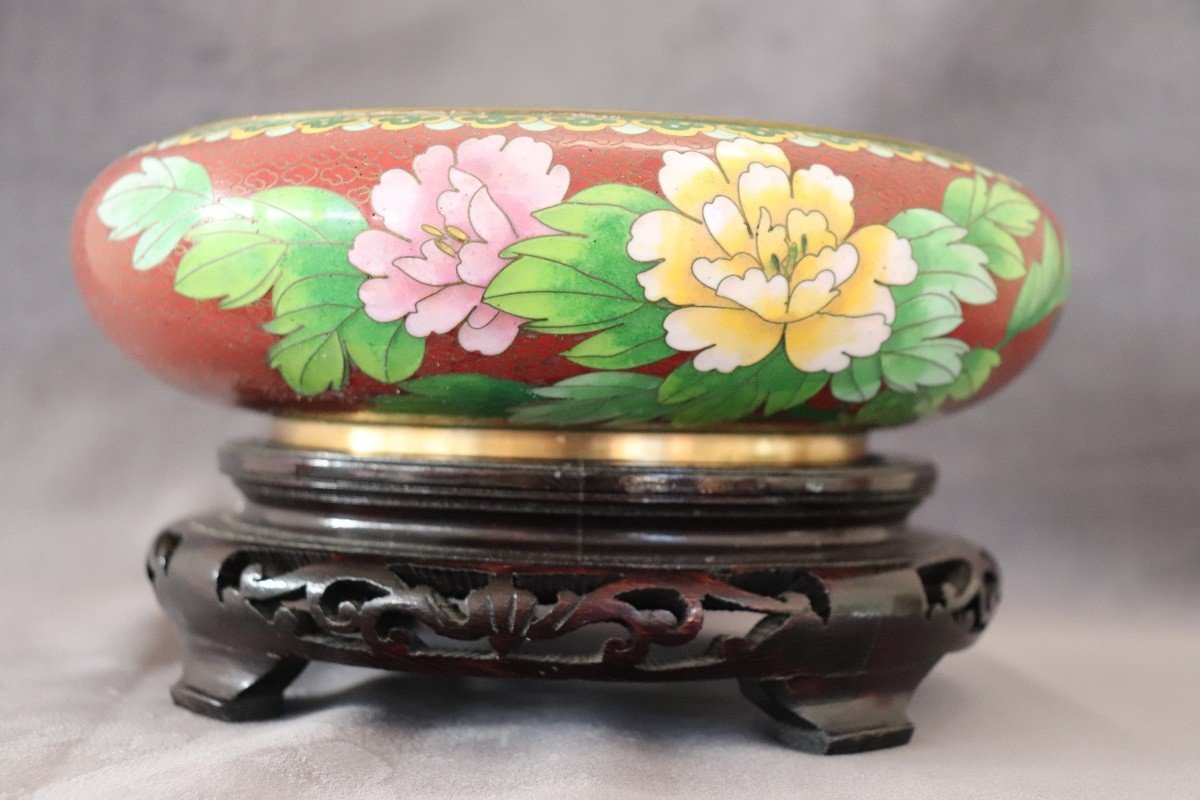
[{"x": 642, "y": 447}]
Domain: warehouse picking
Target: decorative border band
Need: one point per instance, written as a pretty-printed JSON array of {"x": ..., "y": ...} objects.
[{"x": 274, "y": 125}]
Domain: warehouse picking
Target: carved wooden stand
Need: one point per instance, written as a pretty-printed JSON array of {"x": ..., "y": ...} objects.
[{"x": 805, "y": 585}]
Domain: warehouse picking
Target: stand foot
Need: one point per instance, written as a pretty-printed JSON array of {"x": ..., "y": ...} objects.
[
  {"x": 832, "y": 727},
  {"x": 234, "y": 686}
]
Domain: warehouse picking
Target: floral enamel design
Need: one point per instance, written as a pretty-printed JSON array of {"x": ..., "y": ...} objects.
[
  {"x": 753, "y": 253},
  {"x": 447, "y": 223},
  {"x": 742, "y": 288}
]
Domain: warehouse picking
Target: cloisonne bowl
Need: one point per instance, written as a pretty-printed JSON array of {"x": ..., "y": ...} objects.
[{"x": 447, "y": 282}]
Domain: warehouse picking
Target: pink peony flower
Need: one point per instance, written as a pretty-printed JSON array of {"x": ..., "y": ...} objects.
[{"x": 447, "y": 223}]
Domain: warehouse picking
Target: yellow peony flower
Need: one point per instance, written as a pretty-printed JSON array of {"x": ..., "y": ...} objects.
[{"x": 754, "y": 253}]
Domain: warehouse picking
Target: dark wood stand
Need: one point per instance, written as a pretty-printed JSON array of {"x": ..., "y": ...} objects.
[{"x": 804, "y": 584}]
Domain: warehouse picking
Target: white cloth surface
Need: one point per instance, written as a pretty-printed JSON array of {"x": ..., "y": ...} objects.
[{"x": 1043, "y": 707}]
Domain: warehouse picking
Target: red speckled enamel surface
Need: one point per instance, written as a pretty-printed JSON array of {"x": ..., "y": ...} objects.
[{"x": 222, "y": 353}]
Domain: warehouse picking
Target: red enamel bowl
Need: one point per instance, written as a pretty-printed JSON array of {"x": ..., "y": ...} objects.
[{"x": 568, "y": 270}]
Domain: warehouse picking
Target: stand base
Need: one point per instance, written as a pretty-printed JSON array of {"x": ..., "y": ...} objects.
[{"x": 802, "y": 584}]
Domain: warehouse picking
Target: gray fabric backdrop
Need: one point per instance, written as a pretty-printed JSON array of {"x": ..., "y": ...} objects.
[{"x": 1082, "y": 477}]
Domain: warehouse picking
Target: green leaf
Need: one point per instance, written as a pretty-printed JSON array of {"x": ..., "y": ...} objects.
[
  {"x": 950, "y": 271},
  {"x": 1009, "y": 208},
  {"x": 302, "y": 292},
  {"x": 168, "y": 196},
  {"x": 687, "y": 383},
  {"x": 294, "y": 241},
  {"x": 858, "y": 382},
  {"x": 965, "y": 199},
  {"x": 557, "y": 297},
  {"x": 894, "y": 408},
  {"x": 636, "y": 340},
  {"x": 621, "y": 195},
  {"x": 583, "y": 279},
  {"x": 992, "y": 216},
  {"x": 301, "y": 215},
  {"x": 612, "y": 398},
  {"x": 277, "y": 236},
  {"x": 932, "y": 362},
  {"x": 310, "y": 312},
  {"x": 970, "y": 199},
  {"x": 231, "y": 260},
  {"x": 924, "y": 316},
  {"x": 946, "y": 264},
  {"x": 1004, "y": 256},
  {"x": 787, "y": 388},
  {"x": 459, "y": 395},
  {"x": 383, "y": 350},
  {"x": 702, "y": 398},
  {"x": 977, "y": 365},
  {"x": 734, "y": 402},
  {"x": 311, "y": 362},
  {"x": 1045, "y": 287}
]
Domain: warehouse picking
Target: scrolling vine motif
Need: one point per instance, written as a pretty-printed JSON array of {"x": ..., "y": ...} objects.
[
  {"x": 385, "y": 611},
  {"x": 392, "y": 608}
]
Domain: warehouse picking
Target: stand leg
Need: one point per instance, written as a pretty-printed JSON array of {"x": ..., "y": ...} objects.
[
  {"x": 848, "y": 724},
  {"x": 233, "y": 686}
]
